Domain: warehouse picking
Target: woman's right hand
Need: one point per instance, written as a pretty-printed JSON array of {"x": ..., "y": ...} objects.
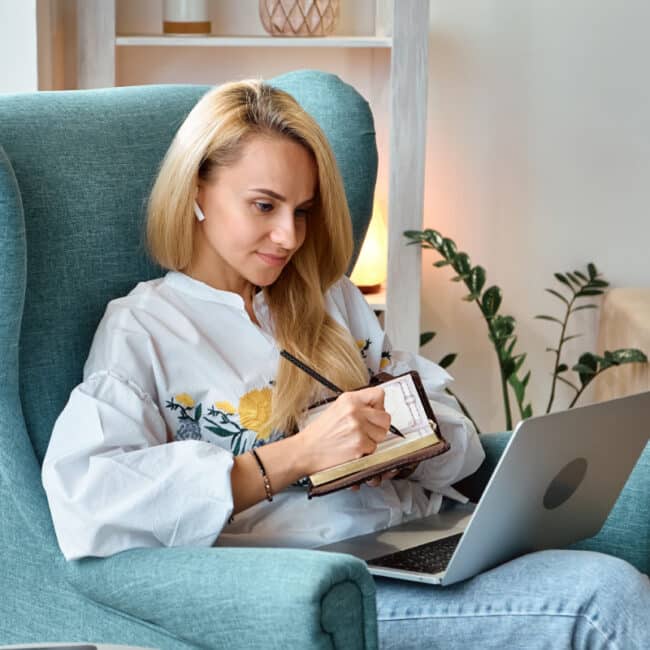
[{"x": 350, "y": 428}]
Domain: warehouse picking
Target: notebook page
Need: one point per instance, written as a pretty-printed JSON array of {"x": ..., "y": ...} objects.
[{"x": 401, "y": 400}]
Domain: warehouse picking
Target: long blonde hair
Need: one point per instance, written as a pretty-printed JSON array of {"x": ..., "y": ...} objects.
[{"x": 213, "y": 136}]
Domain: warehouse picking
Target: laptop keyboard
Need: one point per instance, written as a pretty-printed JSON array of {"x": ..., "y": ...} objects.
[{"x": 432, "y": 557}]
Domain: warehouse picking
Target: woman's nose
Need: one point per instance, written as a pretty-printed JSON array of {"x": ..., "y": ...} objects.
[{"x": 284, "y": 231}]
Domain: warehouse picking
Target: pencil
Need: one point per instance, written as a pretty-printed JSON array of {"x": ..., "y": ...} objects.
[{"x": 325, "y": 382}]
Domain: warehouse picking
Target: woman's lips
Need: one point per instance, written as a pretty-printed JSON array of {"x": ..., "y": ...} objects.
[{"x": 272, "y": 260}]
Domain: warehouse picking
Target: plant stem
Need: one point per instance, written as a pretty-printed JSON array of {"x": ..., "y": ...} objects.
[
  {"x": 504, "y": 381},
  {"x": 575, "y": 399},
  {"x": 558, "y": 353},
  {"x": 463, "y": 408}
]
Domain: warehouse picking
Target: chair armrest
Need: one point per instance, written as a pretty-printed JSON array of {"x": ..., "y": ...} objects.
[
  {"x": 626, "y": 532},
  {"x": 238, "y": 597}
]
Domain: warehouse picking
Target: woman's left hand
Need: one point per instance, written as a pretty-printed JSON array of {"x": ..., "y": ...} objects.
[
  {"x": 376, "y": 480},
  {"x": 402, "y": 473}
]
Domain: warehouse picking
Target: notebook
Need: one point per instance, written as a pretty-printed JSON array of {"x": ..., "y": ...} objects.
[{"x": 410, "y": 410}]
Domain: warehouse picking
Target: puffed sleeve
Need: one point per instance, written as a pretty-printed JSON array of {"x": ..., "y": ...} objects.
[
  {"x": 466, "y": 453},
  {"x": 114, "y": 483}
]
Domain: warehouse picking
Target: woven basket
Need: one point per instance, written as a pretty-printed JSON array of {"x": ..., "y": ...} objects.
[{"x": 299, "y": 17}]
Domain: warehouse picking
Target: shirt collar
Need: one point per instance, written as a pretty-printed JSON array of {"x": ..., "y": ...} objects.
[{"x": 186, "y": 284}]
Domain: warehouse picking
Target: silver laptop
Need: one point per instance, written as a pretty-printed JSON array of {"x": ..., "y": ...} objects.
[{"x": 555, "y": 483}]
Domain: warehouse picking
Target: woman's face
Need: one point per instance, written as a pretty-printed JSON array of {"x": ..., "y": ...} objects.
[{"x": 256, "y": 214}]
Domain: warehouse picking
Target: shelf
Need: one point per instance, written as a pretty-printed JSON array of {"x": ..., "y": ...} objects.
[{"x": 144, "y": 40}]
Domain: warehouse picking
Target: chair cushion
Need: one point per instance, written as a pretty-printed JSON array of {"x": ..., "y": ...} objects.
[{"x": 85, "y": 162}]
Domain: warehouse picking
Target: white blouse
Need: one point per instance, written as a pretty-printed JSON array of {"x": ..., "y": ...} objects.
[{"x": 177, "y": 382}]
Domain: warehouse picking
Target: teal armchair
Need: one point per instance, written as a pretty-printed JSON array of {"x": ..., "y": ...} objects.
[{"x": 75, "y": 171}]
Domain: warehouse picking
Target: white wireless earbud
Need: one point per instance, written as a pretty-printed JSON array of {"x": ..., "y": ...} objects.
[{"x": 197, "y": 211}]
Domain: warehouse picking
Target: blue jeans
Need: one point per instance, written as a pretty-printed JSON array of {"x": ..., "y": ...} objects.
[{"x": 548, "y": 599}]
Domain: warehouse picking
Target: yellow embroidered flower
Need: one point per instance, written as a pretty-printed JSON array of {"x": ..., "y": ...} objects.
[
  {"x": 226, "y": 407},
  {"x": 255, "y": 411},
  {"x": 361, "y": 343},
  {"x": 383, "y": 363},
  {"x": 184, "y": 400}
]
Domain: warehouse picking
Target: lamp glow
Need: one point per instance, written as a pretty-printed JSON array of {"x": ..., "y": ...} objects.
[{"x": 371, "y": 268}]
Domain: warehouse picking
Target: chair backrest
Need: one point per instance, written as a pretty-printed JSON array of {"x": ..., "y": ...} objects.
[{"x": 83, "y": 163}]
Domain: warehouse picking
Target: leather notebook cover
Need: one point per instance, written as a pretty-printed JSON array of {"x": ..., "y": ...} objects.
[{"x": 437, "y": 447}]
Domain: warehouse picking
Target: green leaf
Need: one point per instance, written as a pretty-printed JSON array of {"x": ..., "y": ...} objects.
[
  {"x": 568, "y": 338},
  {"x": 598, "y": 283},
  {"x": 511, "y": 347},
  {"x": 224, "y": 433},
  {"x": 447, "y": 360},
  {"x": 552, "y": 350},
  {"x": 629, "y": 355},
  {"x": 491, "y": 301},
  {"x": 586, "y": 367},
  {"x": 197, "y": 413},
  {"x": 477, "y": 279},
  {"x": 582, "y": 276},
  {"x": 584, "y": 307},
  {"x": 518, "y": 387},
  {"x": 591, "y": 269},
  {"x": 526, "y": 379},
  {"x": 508, "y": 368},
  {"x": 589, "y": 359},
  {"x": 448, "y": 248},
  {"x": 471, "y": 297},
  {"x": 235, "y": 450},
  {"x": 527, "y": 412},
  {"x": 563, "y": 280},
  {"x": 441, "y": 263},
  {"x": 458, "y": 278},
  {"x": 519, "y": 361},
  {"x": 573, "y": 279},
  {"x": 462, "y": 265},
  {"x": 589, "y": 292},
  {"x": 551, "y": 318},
  {"x": 583, "y": 369},
  {"x": 434, "y": 237},
  {"x": 557, "y": 294},
  {"x": 503, "y": 327},
  {"x": 418, "y": 235},
  {"x": 562, "y": 368},
  {"x": 425, "y": 337}
]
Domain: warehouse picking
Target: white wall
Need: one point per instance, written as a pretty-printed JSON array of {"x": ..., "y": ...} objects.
[
  {"x": 18, "y": 50},
  {"x": 538, "y": 161}
]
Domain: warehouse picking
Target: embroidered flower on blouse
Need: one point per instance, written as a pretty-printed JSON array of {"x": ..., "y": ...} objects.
[
  {"x": 185, "y": 400},
  {"x": 363, "y": 345},
  {"x": 385, "y": 359},
  {"x": 226, "y": 407},
  {"x": 190, "y": 428},
  {"x": 226, "y": 421},
  {"x": 255, "y": 411}
]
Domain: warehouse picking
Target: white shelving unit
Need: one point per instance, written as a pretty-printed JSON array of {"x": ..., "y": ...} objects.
[
  {"x": 252, "y": 41},
  {"x": 402, "y": 29}
]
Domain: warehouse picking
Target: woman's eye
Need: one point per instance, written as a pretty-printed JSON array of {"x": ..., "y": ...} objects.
[{"x": 263, "y": 207}]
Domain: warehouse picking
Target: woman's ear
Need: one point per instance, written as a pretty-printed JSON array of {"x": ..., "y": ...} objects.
[{"x": 198, "y": 212}]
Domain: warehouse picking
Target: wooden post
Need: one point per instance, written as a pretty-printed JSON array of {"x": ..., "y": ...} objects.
[
  {"x": 95, "y": 43},
  {"x": 409, "y": 74}
]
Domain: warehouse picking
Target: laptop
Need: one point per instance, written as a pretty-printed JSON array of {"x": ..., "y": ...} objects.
[{"x": 555, "y": 483}]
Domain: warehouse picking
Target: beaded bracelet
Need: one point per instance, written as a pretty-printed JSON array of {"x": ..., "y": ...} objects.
[{"x": 265, "y": 478}]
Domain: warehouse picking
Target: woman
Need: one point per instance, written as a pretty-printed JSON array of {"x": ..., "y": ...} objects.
[{"x": 183, "y": 431}]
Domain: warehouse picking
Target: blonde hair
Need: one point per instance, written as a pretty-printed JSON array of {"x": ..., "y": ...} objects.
[{"x": 213, "y": 136}]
